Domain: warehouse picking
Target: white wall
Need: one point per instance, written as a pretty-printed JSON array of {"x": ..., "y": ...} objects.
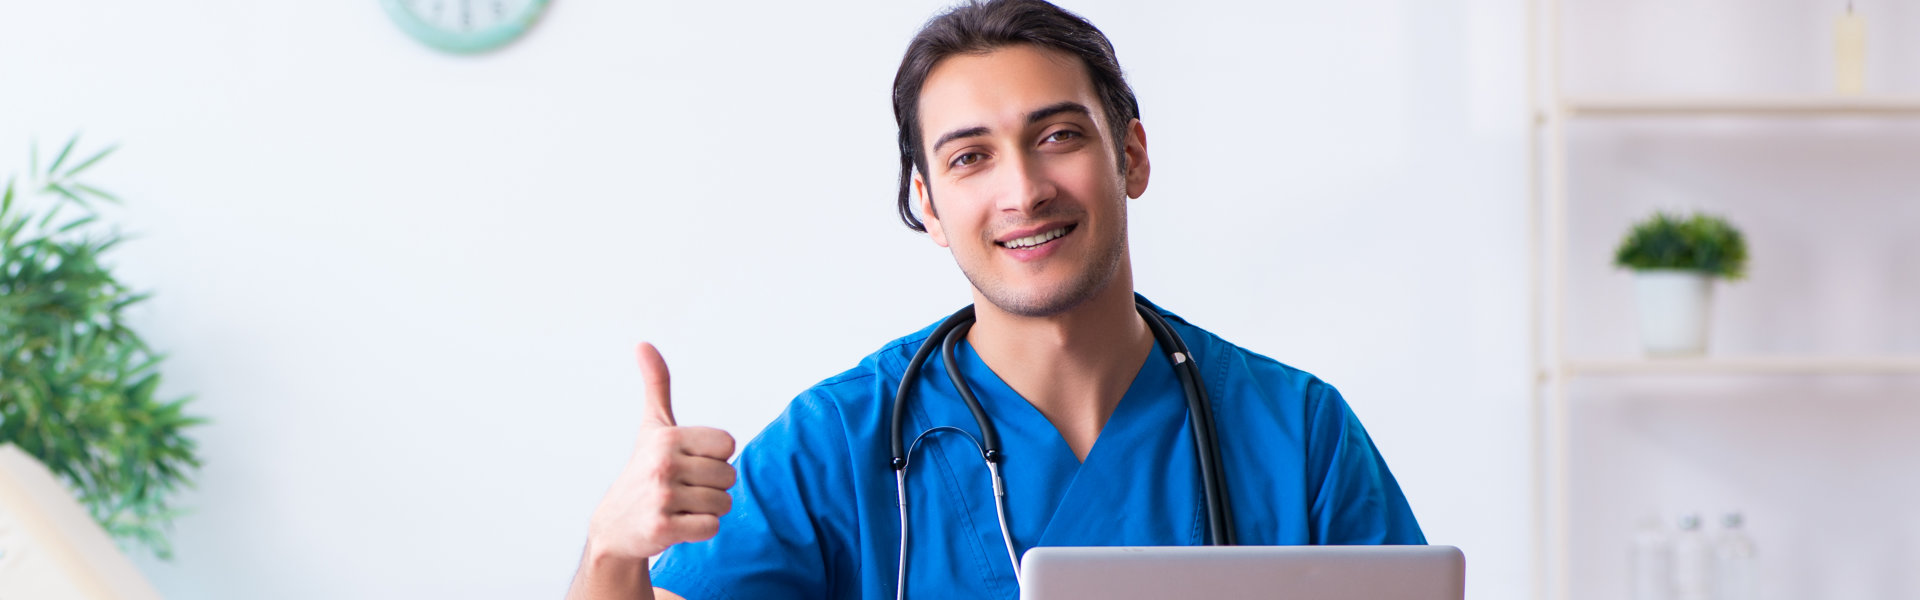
[{"x": 405, "y": 286}]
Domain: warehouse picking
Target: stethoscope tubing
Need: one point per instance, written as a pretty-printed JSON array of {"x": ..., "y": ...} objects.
[
  {"x": 1200, "y": 422},
  {"x": 947, "y": 337}
]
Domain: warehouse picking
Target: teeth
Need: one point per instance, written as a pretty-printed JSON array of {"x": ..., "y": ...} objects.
[{"x": 1036, "y": 239}]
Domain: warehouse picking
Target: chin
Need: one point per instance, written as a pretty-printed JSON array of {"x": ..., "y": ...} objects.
[
  {"x": 1045, "y": 300},
  {"x": 1052, "y": 292}
]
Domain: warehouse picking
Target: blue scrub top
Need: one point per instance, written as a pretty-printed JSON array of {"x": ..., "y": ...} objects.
[{"x": 815, "y": 514}]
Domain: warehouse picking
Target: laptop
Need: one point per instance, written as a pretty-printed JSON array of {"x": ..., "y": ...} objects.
[{"x": 1244, "y": 573}]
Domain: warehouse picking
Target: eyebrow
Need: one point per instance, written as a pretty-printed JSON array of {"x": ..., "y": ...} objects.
[{"x": 1032, "y": 117}]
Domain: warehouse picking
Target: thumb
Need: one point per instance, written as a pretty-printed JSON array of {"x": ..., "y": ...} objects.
[{"x": 659, "y": 403}]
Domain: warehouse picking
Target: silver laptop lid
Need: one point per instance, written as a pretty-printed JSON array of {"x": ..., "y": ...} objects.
[{"x": 1244, "y": 573}]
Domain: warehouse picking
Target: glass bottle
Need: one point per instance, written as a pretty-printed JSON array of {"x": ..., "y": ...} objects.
[
  {"x": 1734, "y": 559},
  {"x": 1652, "y": 561},
  {"x": 1692, "y": 562}
]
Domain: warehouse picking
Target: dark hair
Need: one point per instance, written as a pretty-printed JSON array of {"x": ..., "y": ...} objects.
[{"x": 981, "y": 26}]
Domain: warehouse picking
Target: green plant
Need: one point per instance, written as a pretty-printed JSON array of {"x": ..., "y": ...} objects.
[
  {"x": 1700, "y": 242},
  {"x": 77, "y": 387}
]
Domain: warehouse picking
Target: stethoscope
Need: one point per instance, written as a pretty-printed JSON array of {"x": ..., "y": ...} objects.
[{"x": 948, "y": 335}]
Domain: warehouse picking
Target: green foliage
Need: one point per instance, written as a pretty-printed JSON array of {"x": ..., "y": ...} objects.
[
  {"x": 1701, "y": 242},
  {"x": 77, "y": 387}
]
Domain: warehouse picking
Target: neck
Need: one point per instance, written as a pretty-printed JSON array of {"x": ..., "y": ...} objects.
[{"x": 1073, "y": 366}]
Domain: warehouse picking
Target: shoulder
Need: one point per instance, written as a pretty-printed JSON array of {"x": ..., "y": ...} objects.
[
  {"x": 854, "y": 399},
  {"x": 1231, "y": 371}
]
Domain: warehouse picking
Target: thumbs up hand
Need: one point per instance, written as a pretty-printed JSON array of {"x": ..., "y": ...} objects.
[{"x": 674, "y": 487}]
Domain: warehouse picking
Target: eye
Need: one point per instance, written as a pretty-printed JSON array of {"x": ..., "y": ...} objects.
[
  {"x": 1062, "y": 136},
  {"x": 966, "y": 159}
]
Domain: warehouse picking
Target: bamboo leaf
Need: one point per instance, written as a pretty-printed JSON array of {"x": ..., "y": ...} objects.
[
  {"x": 89, "y": 162},
  {"x": 47, "y": 218},
  {"x": 63, "y": 156},
  {"x": 143, "y": 390},
  {"x": 97, "y": 192},
  {"x": 13, "y": 229},
  {"x": 66, "y": 193},
  {"x": 130, "y": 301},
  {"x": 80, "y": 222}
]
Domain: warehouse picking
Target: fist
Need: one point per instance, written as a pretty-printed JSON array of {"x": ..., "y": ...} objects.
[{"x": 674, "y": 487}]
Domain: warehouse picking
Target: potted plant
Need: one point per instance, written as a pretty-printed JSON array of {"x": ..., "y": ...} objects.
[
  {"x": 78, "y": 388},
  {"x": 1675, "y": 260}
]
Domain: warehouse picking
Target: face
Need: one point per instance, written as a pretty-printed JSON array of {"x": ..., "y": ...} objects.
[{"x": 1022, "y": 182}]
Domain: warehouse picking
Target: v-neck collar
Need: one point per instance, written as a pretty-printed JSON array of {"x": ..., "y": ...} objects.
[
  {"x": 1010, "y": 405},
  {"x": 1148, "y": 427}
]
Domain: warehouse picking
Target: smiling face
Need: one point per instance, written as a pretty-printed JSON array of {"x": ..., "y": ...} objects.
[{"x": 1023, "y": 183}]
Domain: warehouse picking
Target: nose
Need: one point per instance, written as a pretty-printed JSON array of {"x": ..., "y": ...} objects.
[{"x": 1029, "y": 187}]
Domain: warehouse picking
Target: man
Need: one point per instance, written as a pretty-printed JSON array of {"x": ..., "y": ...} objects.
[{"x": 1021, "y": 144}]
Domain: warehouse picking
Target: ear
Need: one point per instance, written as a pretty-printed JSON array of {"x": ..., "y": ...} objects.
[
  {"x": 927, "y": 215},
  {"x": 1138, "y": 166}
]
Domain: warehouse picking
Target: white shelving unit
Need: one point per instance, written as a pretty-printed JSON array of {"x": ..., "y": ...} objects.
[{"x": 1553, "y": 368}]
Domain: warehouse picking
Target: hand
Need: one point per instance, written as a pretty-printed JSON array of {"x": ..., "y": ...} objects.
[{"x": 674, "y": 487}]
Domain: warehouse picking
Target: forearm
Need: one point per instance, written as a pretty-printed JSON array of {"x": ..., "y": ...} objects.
[{"x": 603, "y": 576}]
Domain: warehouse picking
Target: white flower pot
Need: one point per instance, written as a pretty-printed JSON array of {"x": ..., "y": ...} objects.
[{"x": 1673, "y": 311}]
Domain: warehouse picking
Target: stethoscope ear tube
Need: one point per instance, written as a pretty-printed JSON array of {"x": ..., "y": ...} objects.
[
  {"x": 911, "y": 374},
  {"x": 989, "y": 435}
]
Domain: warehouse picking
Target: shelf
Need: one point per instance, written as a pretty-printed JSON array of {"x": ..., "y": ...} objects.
[
  {"x": 1747, "y": 365},
  {"x": 1742, "y": 106}
]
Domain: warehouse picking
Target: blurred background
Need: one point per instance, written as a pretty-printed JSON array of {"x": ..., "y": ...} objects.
[{"x": 405, "y": 284}]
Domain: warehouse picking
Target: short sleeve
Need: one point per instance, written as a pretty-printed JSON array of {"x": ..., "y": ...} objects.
[
  {"x": 1357, "y": 500},
  {"x": 784, "y": 537}
]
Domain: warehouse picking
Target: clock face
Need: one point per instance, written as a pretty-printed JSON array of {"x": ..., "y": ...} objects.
[{"x": 465, "y": 26}]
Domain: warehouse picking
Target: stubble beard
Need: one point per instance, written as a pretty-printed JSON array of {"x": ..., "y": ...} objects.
[{"x": 1098, "y": 274}]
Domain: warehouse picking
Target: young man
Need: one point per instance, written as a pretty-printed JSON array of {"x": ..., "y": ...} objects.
[{"x": 1021, "y": 144}]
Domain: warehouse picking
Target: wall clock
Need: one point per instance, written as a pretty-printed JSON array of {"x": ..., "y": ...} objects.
[{"x": 465, "y": 26}]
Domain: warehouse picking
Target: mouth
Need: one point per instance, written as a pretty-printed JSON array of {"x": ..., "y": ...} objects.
[{"x": 1037, "y": 239}]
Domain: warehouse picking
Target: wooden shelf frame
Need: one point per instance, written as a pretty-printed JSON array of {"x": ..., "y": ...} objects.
[
  {"x": 1743, "y": 365},
  {"x": 1832, "y": 105}
]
